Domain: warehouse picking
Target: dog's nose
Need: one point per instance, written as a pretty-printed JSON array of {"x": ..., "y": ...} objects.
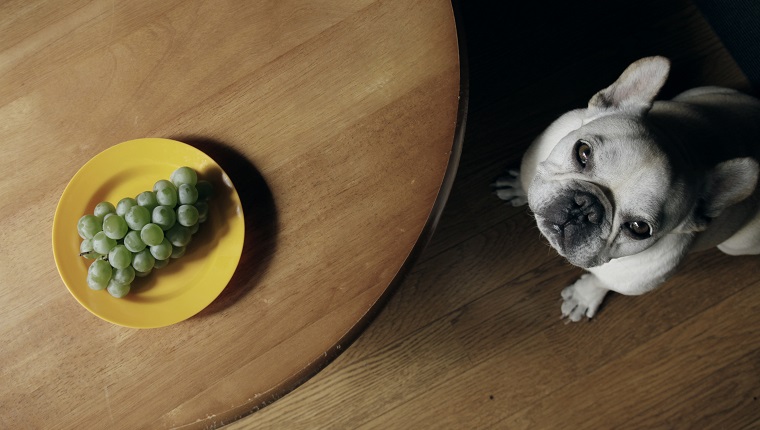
[
  {"x": 574, "y": 211},
  {"x": 585, "y": 207}
]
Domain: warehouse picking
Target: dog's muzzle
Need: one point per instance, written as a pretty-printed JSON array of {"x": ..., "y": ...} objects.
[
  {"x": 573, "y": 212},
  {"x": 574, "y": 217}
]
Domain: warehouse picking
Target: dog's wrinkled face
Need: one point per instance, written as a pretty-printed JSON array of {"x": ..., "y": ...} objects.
[
  {"x": 607, "y": 191},
  {"x": 613, "y": 185}
]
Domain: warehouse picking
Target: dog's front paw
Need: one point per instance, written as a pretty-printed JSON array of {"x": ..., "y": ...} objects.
[
  {"x": 509, "y": 188},
  {"x": 582, "y": 298}
]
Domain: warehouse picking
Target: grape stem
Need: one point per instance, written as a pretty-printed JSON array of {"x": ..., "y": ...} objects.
[{"x": 102, "y": 257}]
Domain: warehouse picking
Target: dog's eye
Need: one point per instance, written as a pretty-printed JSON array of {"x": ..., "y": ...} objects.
[
  {"x": 639, "y": 229},
  {"x": 582, "y": 152}
]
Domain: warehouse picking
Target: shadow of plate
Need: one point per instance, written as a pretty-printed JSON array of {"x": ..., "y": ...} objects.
[{"x": 261, "y": 220}]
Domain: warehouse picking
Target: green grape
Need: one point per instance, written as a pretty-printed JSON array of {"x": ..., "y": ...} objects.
[
  {"x": 102, "y": 244},
  {"x": 160, "y": 264},
  {"x": 119, "y": 257},
  {"x": 133, "y": 242},
  {"x": 202, "y": 211},
  {"x": 194, "y": 228},
  {"x": 143, "y": 261},
  {"x": 164, "y": 217},
  {"x": 147, "y": 199},
  {"x": 88, "y": 225},
  {"x": 137, "y": 217},
  {"x": 95, "y": 285},
  {"x": 124, "y": 276},
  {"x": 205, "y": 190},
  {"x": 167, "y": 196},
  {"x": 184, "y": 175},
  {"x": 143, "y": 274},
  {"x": 188, "y": 194},
  {"x": 161, "y": 184},
  {"x": 100, "y": 272},
  {"x": 178, "y": 251},
  {"x": 124, "y": 204},
  {"x": 179, "y": 235},
  {"x": 104, "y": 208},
  {"x": 162, "y": 251},
  {"x": 114, "y": 226},
  {"x": 117, "y": 290},
  {"x": 151, "y": 234},
  {"x": 86, "y": 251},
  {"x": 187, "y": 215}
]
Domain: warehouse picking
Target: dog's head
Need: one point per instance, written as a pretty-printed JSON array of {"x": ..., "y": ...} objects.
[{"x": 610, "y": 189}]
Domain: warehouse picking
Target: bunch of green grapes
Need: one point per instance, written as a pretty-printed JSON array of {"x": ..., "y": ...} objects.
[{"x": 143, "y": 233}]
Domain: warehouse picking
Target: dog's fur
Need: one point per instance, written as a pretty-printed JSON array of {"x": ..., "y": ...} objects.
[{"x": 626, "y": 187}]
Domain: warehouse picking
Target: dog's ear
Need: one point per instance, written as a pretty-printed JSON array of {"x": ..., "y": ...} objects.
[
  {"x": 634, "y": 91},
  {"x": 729, "y": 183}
]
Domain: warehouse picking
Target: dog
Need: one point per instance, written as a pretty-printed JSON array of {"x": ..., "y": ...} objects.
[{"x": 628, "y": 186}]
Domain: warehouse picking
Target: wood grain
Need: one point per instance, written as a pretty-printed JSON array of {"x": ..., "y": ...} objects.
[
  {"x": 473, "y": 337},
  {"x": 337, "y": 122}
]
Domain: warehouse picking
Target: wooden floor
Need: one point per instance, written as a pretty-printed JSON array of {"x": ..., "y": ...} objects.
[{"x": 472, "y": 339}]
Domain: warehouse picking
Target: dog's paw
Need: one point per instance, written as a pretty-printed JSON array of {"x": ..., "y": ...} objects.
[
  {"x": 509, "y": 188},
  {"x": 582, "y": 298}
]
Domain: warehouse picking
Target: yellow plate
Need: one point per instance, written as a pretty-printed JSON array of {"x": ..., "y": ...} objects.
[{"x": 188, "y": 284}]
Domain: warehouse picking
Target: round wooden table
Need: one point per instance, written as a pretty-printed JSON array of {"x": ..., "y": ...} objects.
[{"x": 339, "y": 122}]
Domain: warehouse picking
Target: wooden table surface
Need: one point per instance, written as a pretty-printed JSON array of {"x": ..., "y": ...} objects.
[{"x": 339, "y": 123}]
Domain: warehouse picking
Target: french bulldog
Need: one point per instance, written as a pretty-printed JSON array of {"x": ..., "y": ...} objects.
[{"x": 628, "y": 186}]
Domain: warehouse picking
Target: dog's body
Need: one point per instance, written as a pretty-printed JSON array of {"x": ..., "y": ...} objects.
[{"x": 627, "y": 187}]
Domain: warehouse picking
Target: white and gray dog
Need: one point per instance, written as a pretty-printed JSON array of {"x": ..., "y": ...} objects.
[{"x": 626, "y": 187}]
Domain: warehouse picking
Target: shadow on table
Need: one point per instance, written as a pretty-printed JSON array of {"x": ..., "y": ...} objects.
[{"x": 261, "y": 221}]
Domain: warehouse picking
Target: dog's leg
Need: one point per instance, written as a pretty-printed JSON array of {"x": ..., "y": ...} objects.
[
  {"x": 508, "y": 187},
  {"x": 631, "y": 276},
  {"x": 583, "y": 298}
]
